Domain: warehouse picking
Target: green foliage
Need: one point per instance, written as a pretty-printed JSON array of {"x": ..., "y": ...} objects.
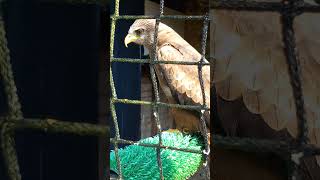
[{"x": 138, "y": 162}]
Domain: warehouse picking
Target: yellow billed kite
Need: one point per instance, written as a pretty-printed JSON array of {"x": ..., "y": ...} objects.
[{"x": 180, "y": 83}]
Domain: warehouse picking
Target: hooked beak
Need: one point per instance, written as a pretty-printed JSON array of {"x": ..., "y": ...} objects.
[{"x": 130, "y": 38}]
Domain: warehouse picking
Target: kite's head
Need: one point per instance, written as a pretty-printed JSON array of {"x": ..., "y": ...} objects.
[{"x": 142, "y": 31}]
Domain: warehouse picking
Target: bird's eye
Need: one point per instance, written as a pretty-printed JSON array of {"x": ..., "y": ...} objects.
[{"x": 139, "y": 31}]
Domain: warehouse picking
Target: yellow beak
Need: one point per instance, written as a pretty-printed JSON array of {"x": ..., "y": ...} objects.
[{"x": 129, "y": 39}]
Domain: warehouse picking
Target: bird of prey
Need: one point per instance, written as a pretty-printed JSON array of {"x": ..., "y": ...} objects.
[
  {"x": 180, "y": 83},
  {"x": 251, "y": 74}
]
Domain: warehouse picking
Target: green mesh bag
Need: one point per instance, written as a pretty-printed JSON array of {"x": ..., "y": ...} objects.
[{"x": 138, "y": 162}]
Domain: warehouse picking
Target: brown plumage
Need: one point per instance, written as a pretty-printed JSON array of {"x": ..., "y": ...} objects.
[
  {"x": 251, "y": 67},
  {"x": 180, "y": 83}
]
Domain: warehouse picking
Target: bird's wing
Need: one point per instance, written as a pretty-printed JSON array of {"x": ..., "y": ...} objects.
[
  {"x": 183, "y": 80},
  {"x": 251, "y": 65}
]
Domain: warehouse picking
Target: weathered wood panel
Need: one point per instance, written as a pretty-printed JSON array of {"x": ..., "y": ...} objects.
[{"x": 148, "y": 126}]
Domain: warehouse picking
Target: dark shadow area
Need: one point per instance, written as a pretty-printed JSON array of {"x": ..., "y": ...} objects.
[
  {"x": 127, "y": 76},
  {"x": 55, "y": 52}
]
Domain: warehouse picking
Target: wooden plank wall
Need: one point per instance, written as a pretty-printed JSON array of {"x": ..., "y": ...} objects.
[{"x": 148, "y": 127}]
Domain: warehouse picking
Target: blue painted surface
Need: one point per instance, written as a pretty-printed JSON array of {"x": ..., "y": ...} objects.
[{"x": 127, "y": 76}]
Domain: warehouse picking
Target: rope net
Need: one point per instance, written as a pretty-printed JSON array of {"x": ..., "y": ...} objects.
[
  {"x": 156, "y": 103},
  {"x": 288, "y": 9},
  {"x": 14, "y": 120}
]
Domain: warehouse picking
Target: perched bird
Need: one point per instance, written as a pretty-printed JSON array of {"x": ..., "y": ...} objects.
[
  {"x": 251, "y": 78},
  {"x": 180, "y": 83}
]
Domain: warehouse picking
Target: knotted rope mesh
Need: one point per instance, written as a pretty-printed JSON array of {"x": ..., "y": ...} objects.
[
  {"x": 288, "y": 9},
  {"x": 156, "y": 103},
  {"x": 14, "y": 120}
]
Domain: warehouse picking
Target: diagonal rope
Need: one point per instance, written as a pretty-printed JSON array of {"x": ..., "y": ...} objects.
[
  {"x": 14, "y": 108},
  {"x": 6, "y": 75}
]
